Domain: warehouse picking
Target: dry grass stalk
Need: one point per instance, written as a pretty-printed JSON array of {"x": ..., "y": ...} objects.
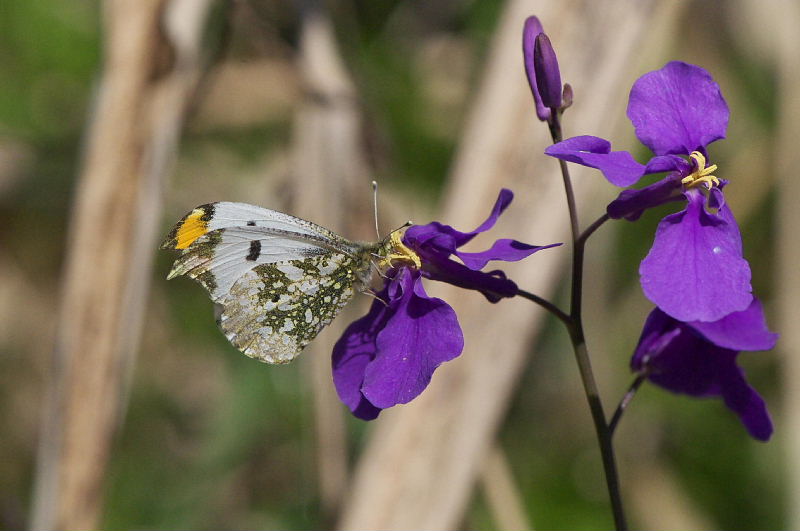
[
  {"x": 132, "y": 139},
  {"x": 502, "y": 495},
  {"x": 787, "y": 156},
  {"x": 660, "y": 502},
  {"x": 330, "y": 187},
  {"x": 423, "y": 459}
]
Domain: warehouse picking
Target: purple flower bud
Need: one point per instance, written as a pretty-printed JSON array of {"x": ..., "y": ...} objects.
[
  {"x": 541, "y": 67},
  {"x": 532, "y": 29},
  {"x": 548, "y": 78}
]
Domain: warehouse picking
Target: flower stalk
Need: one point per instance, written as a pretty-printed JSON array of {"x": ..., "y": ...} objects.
[
  {"x": 637, "y": 383},
  {"x": 578, "y": 339},
  {"x": 547, "y": 305},
  {"x": 544, "y": 79},
  {"x": 690, "y": 341}
]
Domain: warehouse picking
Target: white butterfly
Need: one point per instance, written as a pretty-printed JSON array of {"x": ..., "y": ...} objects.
[{"x": 280, "y": 279}]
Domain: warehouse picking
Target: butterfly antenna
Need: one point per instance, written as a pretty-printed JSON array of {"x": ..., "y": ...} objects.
[
  {"x": 403, "y": 226},
  {"x": 375, "y": 207}
]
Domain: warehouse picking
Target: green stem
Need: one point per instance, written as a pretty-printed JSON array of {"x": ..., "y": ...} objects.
[
  {"x": 593, "y": 227},
  {"x": 601, "y": 428},
  {"x": 579, "y": 342},
  {"x": 547, "y": 305},
  {"x": 637, "y": 383}
]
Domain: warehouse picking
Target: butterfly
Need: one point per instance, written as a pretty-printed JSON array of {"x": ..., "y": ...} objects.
[{"x": 279, "y": 279}]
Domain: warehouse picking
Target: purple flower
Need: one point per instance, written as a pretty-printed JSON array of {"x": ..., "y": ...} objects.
[
  {"x": 541, "y": 66},
  {"x": 699, "y": 359},
  {"x": 388, "y": 356},
  {"x": 695, "y": 270}
]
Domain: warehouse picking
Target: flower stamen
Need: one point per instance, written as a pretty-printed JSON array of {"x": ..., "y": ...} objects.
[{"x": 702, "y": 174}]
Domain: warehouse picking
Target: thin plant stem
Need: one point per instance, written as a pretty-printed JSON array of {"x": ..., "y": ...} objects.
[
  {"x": 625, "y": 401},
  {"x": 593, "y": 227},
  {"x": 547, "y": 305},
  {"x": 578, "y": 339},
  {"x": 555, "y": 133},
  {"x": 599, "y": 419}
]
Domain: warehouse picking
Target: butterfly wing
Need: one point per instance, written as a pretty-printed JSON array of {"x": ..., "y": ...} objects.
[
  {"x": 220, "y": 242},
  {"x": 246, "y": 256},
  {"x": 274, "y": 310},
  {"x": 224, "y": 215}
]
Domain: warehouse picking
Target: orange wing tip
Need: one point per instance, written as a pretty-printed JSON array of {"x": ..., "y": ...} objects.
[{"x": 192, "y": 226}]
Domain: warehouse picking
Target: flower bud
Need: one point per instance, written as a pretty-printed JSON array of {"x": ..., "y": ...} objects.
[
  {"x": 533, "y": 28},
  {"x": 541, "y": 67},
  {"x": 548, "y": 77}
]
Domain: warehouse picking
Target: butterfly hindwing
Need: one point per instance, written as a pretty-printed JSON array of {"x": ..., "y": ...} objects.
[{"x": 274, "y": 310}]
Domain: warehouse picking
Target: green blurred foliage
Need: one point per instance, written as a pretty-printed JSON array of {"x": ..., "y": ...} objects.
[{"x": 46, "y": 44}]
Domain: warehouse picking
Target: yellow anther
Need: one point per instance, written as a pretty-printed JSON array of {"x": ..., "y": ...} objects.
[
  {"x": 399, "y": 251},
  {"x": 701, "y": 174}
]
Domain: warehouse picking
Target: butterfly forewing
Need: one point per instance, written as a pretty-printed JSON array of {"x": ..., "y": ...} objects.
[
  {"x": 224, "y": 215},
  {"x": 218, "y": 259},
  {"x": 279, "y": 279}
]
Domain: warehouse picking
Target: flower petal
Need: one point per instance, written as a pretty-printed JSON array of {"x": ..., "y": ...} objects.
[
  {"x": 658, "y": 331},
  {"x": 745, "y": 330},
  {"x": 673, "y": 356},
  {"x": 504, "y": 249},
  {"x": 419, "y": 336},
  {"x": 493, "y": 284},
  {"x": 695, "y": 270},
  {"x": 351, "y": 355},
  {"x": 504, "y": 199},
  {"x": 445, "y": 238},
  {"x": 677, "y": 109},
  {"x": 631, "y": 204},
  {"x": 716, "y": 199},
  {"x": 618, "y": 167},
  {"x": 435, "y": 243},
  {"x": 745, "y": 401},
  {"x": 434, "y": 235},
  {"x": 530, "y": 31}
]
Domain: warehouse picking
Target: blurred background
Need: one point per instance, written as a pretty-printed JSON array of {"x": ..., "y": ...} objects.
[{"x": 122, "y": 406}]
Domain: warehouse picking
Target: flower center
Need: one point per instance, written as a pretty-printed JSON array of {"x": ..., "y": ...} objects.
[
  {"x": 400, "y": 251},
  {"x": 701, "y": 174}
]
